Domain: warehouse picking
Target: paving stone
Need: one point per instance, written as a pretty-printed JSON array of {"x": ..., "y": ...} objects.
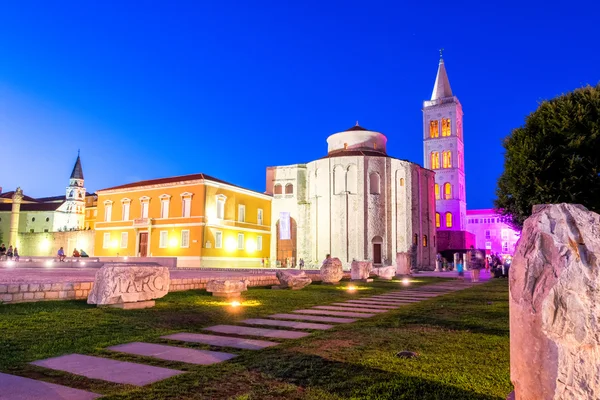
[
  {"x": 393, "y": 300},
  {"x": 409, "y": 296},
  {"x": 244, "y": 330},
  {"x": 225, "y": 341},
  {"x": 356, "y": 309},
  {"x": 172, "y": 353},
  {"x": 384, "y": 302},
  {"x": 365, "y": 304},
  {"x": 313, "y": 318},
  {"x": 335, "y": 313},
  {"x": 287, "y": 324},
  {"x": 108, "y": 370},
  {"x": 18, "y": 388}
]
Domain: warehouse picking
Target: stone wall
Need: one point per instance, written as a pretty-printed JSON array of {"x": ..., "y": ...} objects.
[
  {"x": 32, "y": 292},
  {"x": 48, "y": 243}
]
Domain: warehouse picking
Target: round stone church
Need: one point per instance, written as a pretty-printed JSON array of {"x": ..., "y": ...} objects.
[{"x": 355, "y": 203}]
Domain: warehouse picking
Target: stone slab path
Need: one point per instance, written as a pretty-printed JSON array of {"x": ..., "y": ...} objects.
[
  {"x": 335, "y": 313},
  {"x": 107, "y": 369},
  {"x": 172, "y": 353},
  {"x": 355, "y": 303},
  {"x": 286, "y": 324},
  {"x": 223, "y": 341},
  {"x": 18, "y": 388},
  {"x": 313, "y": 318},
  {"x": 246, "y": 331},
  {"x": 350, "y": 308}
]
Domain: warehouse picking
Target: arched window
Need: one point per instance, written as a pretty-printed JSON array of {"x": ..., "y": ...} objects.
[
  {"x": 352, "y": 179},
  {"x": 446, "y": 129},
  {"x": 458, "y": 160},
  {"x": 437, "y": 191},
  {"x": 416, "y": 239},
  {"x": 435, "y": 160},
  {"x": 220, "y": 200},
  {"x": 338, "y": 180},
  {"x": 424, "y": 240},
  {"x": 434, "y": 129},
  {"x": 374, "y": 184},
  {"x": 289, "y": 188},
  {"x": 447, "y": 191},
  {"x": 437, "y": 220},
  {"x": 277, "y": 189},
  {"x": 448, "y": 220},
  {"x": 447, "y": 159}
]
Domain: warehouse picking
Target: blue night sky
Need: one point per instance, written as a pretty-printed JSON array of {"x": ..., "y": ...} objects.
[{"x": 150, "y": 89}]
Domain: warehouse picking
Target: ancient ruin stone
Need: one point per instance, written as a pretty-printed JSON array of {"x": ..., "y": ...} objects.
[
  {"x": 385, "y": 272},
  {"x": 226, "y": 287},
  {"x": 555, "y": 305},
  {"x": 128, "y": 284},
  {"x": 332, "y": 271},
  {"x": 360, "y": 270},
  {"x": 403, "y": 264},
  {"x": 293, "y": 279}
]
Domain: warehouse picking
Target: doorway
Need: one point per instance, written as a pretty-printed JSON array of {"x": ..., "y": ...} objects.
[
  {"x": 143, "y": 250},
  {"x": 286, "y": 248},
  {"x": 377, "y": 242}
]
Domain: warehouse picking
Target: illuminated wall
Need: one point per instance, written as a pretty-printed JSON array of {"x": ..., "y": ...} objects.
[{"x": 47, "y": 244}]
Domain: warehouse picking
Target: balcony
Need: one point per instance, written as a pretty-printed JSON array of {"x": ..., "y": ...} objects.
[{"x": 142, "y": 222}]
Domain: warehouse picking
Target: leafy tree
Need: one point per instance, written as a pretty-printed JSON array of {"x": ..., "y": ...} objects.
[{"x": 554, "y": 157}]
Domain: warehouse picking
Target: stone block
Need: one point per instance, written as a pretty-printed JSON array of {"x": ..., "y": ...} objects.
[
  {"x": 17, "y": 296},
  {"x": 70, "y": 294},
  {"x": 227, "y": 288},
  {"x": 67, "y": 286},
  {"x": 360, "y": 270},
  {"x": 554, "y": 305},
  {"x": 78, "y": 293},
  {"x": 387, "y": 273},
  {"x": 13, "y": 288},
  {"x": 62, "y": 294},
  {"x": 128, "y": 284},
  {"x": 403, "y": 263},
  {"x": 3, "y": 288},
  {"x": 6, "y": 297},
  {"x": 28, "y": 296},
  {"x": 46, "y": 287},
  {"x": 86, "y": 285},
  {"x": 39, "y": 295},
  {"x": 34, "y": 287},
  {"x": 133, "y": 306},
  {"x": 331, "y": 271},
  {"x": 51, "y": 295},
  {"x": 56, "y": 287},
  {"x": 23, "y": 288},
  {"x": 294, "y": 280}
]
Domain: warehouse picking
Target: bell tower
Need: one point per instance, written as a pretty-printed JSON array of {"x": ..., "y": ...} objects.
[
  {"x": 75, "y": 196},
  {"x": 443, "y": 150}
]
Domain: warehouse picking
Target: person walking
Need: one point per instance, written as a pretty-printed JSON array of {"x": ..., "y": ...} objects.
[
  {"x": 16, "y": 254},
  {"x": 2, "y": 251}
]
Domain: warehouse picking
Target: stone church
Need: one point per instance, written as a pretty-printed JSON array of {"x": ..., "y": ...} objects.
[{"x": 355, "y": 203}]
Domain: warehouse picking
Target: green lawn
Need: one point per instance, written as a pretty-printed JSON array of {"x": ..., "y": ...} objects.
[{"x": 462, "y": 339}]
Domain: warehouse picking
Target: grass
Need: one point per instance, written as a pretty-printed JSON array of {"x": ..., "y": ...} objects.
[{"x": 462, "y": 339}]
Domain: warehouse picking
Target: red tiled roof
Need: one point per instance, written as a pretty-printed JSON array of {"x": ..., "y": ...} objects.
[
  {"x": 9, "y": 195},
  {"x": 32, "y": 206},
  {"x": 345, "y": 153},
  {"x": 175, "y": 179}
]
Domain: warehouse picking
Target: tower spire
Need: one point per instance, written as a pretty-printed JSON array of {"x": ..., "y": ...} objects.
[
  {"x": 441, "y": 87},
  {"x": 77, "y": 170}
]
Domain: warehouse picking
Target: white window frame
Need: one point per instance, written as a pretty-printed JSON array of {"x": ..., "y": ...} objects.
[
  {"x": 108, "y": 211},
  {"x": 125, "y": 208},
  {"x": 241, "y": 213},
  {"x": 259, "y": 243},
  {"x": 186, "y": 205},
  {"x": 218, "y": 240},
  {"x": 185, "y": 234},
  {"x": 240, "y": 240},
  {"x": 488, "y": 245},
  {"x": 165, "y": 202},
  {"x": 259, "y": 217},
  {"x": 145, "y": 206},
  {"x": 124, "y": 239},
  {"x": 106, "y": 240},
  {"x": 163, "y": 241},
  {"x": 221, "y": 199}
]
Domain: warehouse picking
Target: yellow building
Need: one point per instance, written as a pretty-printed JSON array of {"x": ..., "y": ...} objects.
[
  {"x": 91, "y": 211},
  {"x": 201, "y": 220}
]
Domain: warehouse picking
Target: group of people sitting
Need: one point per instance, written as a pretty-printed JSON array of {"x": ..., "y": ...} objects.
[
  {"x": 8, "y": 254},
  {"x": 76, "y": 254},
  {"x": 497, "y": 266}
]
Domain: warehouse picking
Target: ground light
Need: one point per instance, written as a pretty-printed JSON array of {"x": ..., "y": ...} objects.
[
  {"x": 406, "y": 281},
  {"x": 235, "y": 303},
  {"x": 352, "y": 288},
  {"x": 49, "y": 263},
  {"x": 10, "y": 263}
]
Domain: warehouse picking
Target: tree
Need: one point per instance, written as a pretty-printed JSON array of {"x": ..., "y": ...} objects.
[{"x": 554, "y": 157}]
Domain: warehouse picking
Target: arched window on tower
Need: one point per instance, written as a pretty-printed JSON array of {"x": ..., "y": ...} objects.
[
  {"x": 458, "y": 163},
  {"x": 435, "y": 160},
  {"x": 277, "y": 189},
  {"x": 447, "y": 159},
  {"x": 401, "y": 182},
  {"x": 339, "y": 186},
  {"x": 437, "y": 191},
  {"x": 374, "y": 184},
  {"x": 289, "y": 188},
  {"x": 447, "y": 191},
  {"x": 448, "y": 220},
  {"x": 434, "y": 129},
  {"x": 424, "y": 240},
  {"x": 446, "y": 128},
  {"x": 437, "y": 220},
  {"x": 352, "y": 179}
]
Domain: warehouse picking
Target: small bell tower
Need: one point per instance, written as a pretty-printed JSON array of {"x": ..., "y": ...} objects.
[{"x": 75, "y": 196}]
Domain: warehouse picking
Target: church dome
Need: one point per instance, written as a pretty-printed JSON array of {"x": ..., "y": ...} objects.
[{"x": 357, "y": 138}]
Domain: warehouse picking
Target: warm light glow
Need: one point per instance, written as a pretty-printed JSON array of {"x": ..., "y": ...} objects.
[
  {"x": 230, "y": 244},
  {"x": 49, "y": 263},
  {"x": 251, "y": 245},
  {"x": 45, "y": 244},
  {"x": 406, "y": 281},
  {"x": 125, "y": 258},
  {"x": 115, "y": 244},
  {"x": 81, "y": 244},
  {"x": 10, "y": 263},
  {"x": 235, "y": 304},
  {"x": 211, "y": 215},
  {"x": 173, "y": 242},
  {"x": 351, "y": 288},
  {"x": 83, "y": 263}
]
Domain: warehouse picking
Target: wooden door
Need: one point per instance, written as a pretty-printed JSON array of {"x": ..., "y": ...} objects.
[
  {"x": 143, "y": 250},
  {"x": 376, "y": 253}
]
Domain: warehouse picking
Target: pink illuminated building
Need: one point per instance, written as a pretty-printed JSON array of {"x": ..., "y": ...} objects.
[{"x": 492, "y": 232}]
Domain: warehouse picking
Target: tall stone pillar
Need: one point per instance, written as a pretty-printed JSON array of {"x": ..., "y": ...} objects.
[{"x": 14, "y": 217}]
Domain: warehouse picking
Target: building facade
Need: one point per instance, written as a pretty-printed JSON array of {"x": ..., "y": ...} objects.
[
  {"x": 492, "y": 233},
  {"x": 356, "y": 203},
  {"x": 201, "y": 220},
  {"x": 91, "y": 211},
  {"x": 443, "y": 152}
]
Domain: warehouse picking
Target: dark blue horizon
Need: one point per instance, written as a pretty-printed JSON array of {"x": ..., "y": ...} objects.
[{"x": 228, "y": 89}]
